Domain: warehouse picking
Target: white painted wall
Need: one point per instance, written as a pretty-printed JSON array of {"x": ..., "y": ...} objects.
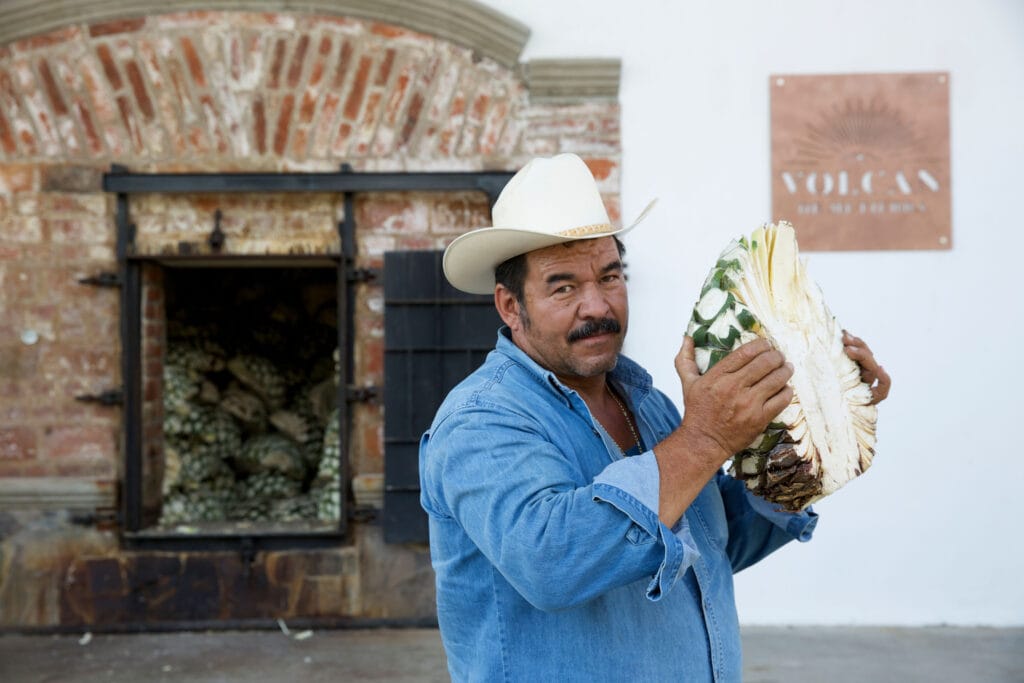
[{"x": 934, "y": 532}]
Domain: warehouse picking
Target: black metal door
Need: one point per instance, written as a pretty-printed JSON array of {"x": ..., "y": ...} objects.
[{"x": 435, "y": 336}]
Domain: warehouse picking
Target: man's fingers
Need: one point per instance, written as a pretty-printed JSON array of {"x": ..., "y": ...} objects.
[
  {"x": 774, "y": 381},
  {"x": 761, "y": 366},
  {"x": 742, "y": 355},
  {"x": 686, "y": 364},
  {"x": 880, "y": 391},
  {"x": 777, "y": 403},
  {"x": 873, "y": 374}
]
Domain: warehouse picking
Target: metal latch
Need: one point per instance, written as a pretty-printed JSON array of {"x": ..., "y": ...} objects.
[
  {"x": 104, "y": 279},
  {"x": 363, "y": 274},
  {"x": 110, "y": 397},
  {"x": 354, "y": 394}
]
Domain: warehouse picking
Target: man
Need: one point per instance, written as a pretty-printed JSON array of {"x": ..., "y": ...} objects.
[{"x": 579, "y": 529}]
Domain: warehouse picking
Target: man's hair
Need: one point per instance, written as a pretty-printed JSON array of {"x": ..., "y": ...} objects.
[{"x": 511, "y": 274}]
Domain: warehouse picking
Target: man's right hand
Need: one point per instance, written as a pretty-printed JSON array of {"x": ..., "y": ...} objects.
[
  {"x": 736, "y": 399},
  {"x": 725, "y": 409}
]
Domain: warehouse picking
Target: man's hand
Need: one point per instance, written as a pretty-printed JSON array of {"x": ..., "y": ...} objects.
[
  {"x": 870, "y": 371},
  {"x": 736, "y": 399}
]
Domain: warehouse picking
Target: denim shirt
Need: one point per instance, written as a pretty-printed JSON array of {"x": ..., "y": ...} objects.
[{"x": 551, "y": 562}]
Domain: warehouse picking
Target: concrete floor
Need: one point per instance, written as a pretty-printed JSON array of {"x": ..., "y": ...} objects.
[{"x": 792, "y": 655}]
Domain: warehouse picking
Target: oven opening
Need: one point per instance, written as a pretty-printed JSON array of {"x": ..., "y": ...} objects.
[{"x": 246, "y": 434}]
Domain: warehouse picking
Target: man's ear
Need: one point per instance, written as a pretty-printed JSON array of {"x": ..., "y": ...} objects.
[{"x": 508, "y": 307}]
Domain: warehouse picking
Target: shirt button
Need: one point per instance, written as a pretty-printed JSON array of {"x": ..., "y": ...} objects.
[{"x": 707, "y": 603}]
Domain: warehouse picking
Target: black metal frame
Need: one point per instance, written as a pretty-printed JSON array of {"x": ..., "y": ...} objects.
[{"x": 347, "y": 182}]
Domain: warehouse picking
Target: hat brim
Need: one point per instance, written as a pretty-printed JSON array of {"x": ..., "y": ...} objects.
[{"x": 470, "y": 260}]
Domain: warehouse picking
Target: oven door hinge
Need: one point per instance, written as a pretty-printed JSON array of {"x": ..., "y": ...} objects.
[
  {"x": 110, "y": 397},
  {"x": 363, "y": 514},
  {"x": 356, "y": 394},
  {"x": 363, "y": 274},
  {"x": 104, "y": 279}
]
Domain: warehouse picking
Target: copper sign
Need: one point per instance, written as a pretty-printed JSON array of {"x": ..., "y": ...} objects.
[{"x": 862, "y": 161}]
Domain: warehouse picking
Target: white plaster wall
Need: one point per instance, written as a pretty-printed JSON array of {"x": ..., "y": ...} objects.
[{"x": 934, "y": 532}]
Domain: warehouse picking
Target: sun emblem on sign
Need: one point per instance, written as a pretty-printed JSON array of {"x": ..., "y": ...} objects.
[{"x": 858, "y": 131}]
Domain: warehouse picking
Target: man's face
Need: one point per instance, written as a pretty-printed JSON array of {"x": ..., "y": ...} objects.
[{"x": 575, "y": 310}]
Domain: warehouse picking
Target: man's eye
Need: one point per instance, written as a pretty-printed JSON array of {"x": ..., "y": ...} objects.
[{"x": 564, "y": 289}]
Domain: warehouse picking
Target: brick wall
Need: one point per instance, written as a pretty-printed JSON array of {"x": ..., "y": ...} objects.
[{"x": 224, "y": 91}]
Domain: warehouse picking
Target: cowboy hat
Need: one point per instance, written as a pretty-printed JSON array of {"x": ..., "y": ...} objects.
[{"x": 549, "y": 201}]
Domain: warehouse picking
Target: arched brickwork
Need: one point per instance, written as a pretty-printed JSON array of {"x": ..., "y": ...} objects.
[
  {"x": 233, "y": 91},
  {"x": 263, "y": 90}
]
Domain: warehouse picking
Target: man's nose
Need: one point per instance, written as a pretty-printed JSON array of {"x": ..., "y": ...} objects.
[{"x": 593, "y": 302}]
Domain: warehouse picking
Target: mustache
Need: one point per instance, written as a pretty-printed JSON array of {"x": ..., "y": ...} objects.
[{"x": 594, "y": 327}]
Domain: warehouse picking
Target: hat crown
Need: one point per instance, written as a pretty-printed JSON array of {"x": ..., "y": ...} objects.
[
  {"x": 553, "y": 195},
  {"x": 549, "y": 201}
]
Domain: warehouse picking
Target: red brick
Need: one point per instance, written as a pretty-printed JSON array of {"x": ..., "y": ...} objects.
[
  {"x": 370, "y": 113},
  {"x": 7, "y": 136},
  {"x": 88, "y": 203},
  {"x": 17, "y": 178},
  {"x": 58, "y": 37},
  {"x": 259, "y": 124},
  {"x": 28, "y": 141},
  {"x": 384, "y": 70},
  {"x": 109, "y": 67},
  {"x": 284, "y": 123},
  {"x": 344, "y": 57},
  {"x": 80, "y": 230},
  {"x": 277, "y": 64},
  {"x": 300, "y": 142},
  {"x": 355, "y": 95},
  {"x": 195, "y": 65},
  {"x": 52, "y": 91},
  {"x": 480, "y": 106},
  {"x": 118, "y": 26},
  {"x": 388, "y": 31},
  {"x": 308, "y": 108},
  {"x": 388, "y": 212},
  {"x": 318, "y": 66},
  {"x": 372, "y": 443},
  {"x": 139, "y": 88},
  {"x": 411, "y": 118},
  {"x": 397, "y": 96},
  {"x": 611, "y": 204},
  {"x": 444, "y": 142},
  {"x": 91, "y": 135},
  {"x": 17, "y": 443},
  {"x": 298, "y": 61},
  {"x": 89, "y": 464},
  {"x": 130, "y": 124},
  {"x": 341, "y": 139},
  {"x": 600, "y": 168}
]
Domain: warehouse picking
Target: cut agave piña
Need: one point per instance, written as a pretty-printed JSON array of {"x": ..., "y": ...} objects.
[{"x": 826, "y": 436}]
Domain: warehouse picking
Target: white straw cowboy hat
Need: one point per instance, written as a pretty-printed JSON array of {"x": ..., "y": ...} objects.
[{"x": 549, "y": 201}]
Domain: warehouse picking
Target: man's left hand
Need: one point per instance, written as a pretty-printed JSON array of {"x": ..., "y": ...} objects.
[{"x": 870, "y": 371}]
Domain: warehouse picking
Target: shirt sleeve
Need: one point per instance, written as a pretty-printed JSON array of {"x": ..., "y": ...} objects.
[
  {"x": 560, "y": 541},
  {"x": 757, "y": 527},
  {"x": 632, "y": 486}
]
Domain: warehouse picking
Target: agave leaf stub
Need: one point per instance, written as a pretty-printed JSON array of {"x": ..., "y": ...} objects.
[{"x": 825, "y": 437}]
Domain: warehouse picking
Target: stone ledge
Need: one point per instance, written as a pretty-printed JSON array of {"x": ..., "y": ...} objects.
[
  {"x": 464, "y": 22},
  {"x": 56, "y": 493},
  {"x": 566, "y": 80}
]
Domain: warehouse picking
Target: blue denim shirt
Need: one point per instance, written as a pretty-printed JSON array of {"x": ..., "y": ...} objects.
[{"x": 551, "y": 561}]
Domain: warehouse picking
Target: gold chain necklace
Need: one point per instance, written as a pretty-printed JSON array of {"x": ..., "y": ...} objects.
[{"x": 625, "y": 414}]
